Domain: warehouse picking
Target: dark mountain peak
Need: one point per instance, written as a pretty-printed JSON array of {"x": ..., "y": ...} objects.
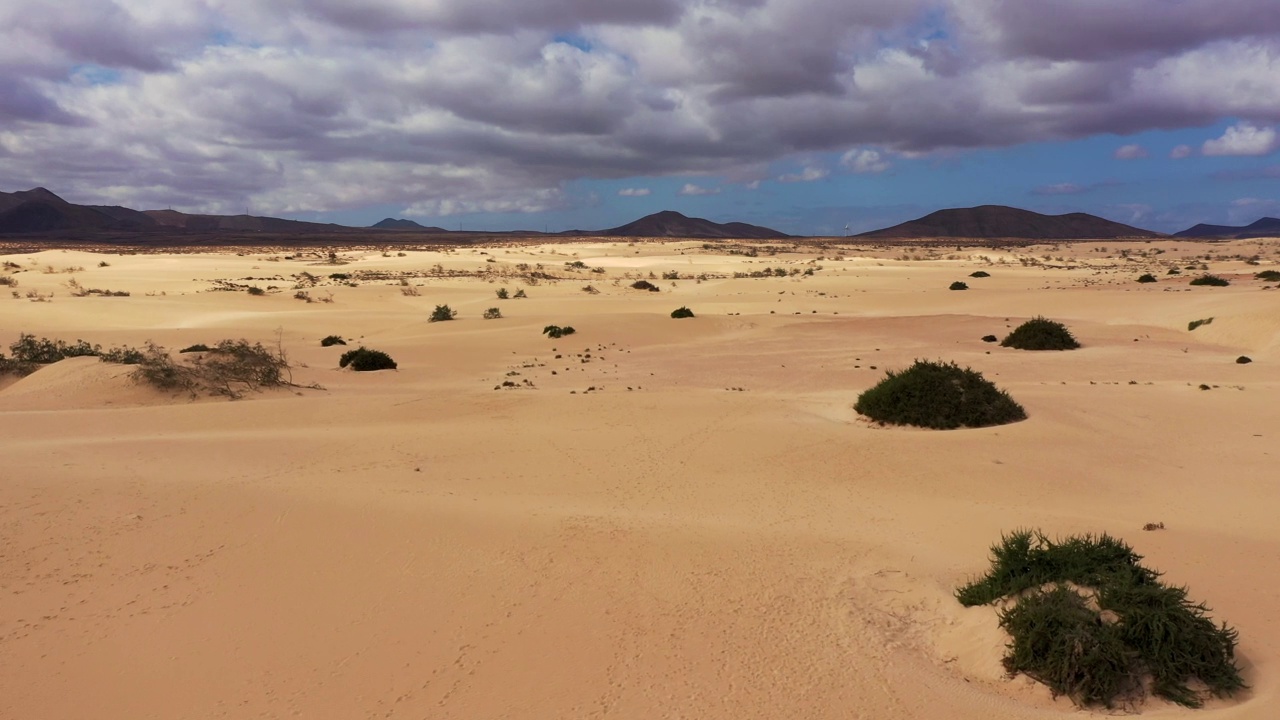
[
  {"x": 402, "y": 224},
  {"x": 669, "y": 223},
  {"x": 1001, "y": 221},
  {"x": 39, "y": 193}
]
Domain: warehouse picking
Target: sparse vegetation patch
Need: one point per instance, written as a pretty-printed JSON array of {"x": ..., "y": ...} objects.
[
  {"x": 555, "y": 331},
  {"x": 331, "y": 340},
  {"x": 1269, "y": 275},
  {"x": 957, "y": 285},
  {"x": 979, "y": 274},
  {"x": 442, "y": 313},
  {"x": 1197, "y": 323},
  {"x": 1211, "y": 280},
  {"x": 681, "y": 312},
  {"x": 1146, "y": 278}
]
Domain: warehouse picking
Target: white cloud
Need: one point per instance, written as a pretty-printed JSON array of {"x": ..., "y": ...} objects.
[
  {"x": 691, "y": 189},
  {"x": 1246, "y": 210},
  {"x": 307, "y": 105},
  {"x": 634, "y": 192},
  {"x": 1182, "y": 151},
  {"x": 1130, "y": 152},
  {"x": 865, "y": 161},
  {"x": 809, "y": 174},
  {"x": 1243, "y": 139}
]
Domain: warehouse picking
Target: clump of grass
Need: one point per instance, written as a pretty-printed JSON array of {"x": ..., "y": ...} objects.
[
  {"x": 255, "y": 290},
  {"x": 365, "y": 360},
  {"x": 520, "y": 294},
  {"x": 1211, "y": 280},
  {"x": 198, "y": 347},
  {"x": 957, "y": 285},
  {"x": 979, "y": 274},
  {"x": 442, "y": 313},
  {"x": 645, "y": 285},
  {"x": 681, "y": 312},
  {"x": 493, "y": 313},
  {"x": 1040, "y": 333},
  {"x": 990, "y": 338},
  {"x": 1197, "y": 323},
  {"x": 555, "y": 331},
  {"x": 8, "y": 281},
  {"x": 1147, "y": 278},
  {"x": 503, "y": 294},
  {"x": 941, "y": 396},
  {"x": 1269, "y": 275},
  {"x": 1061, "y": 638},
  {"x": 331, "y": 340}
]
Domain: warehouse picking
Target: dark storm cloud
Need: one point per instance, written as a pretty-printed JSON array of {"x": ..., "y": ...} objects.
[
  {"x": 1105, "y": 29},
  {"x": 457, "y": 105}
]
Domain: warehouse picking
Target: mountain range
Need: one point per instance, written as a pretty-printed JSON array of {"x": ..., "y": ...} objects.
[
  {"x": 40, "y": 211},
  {"x": 1265, "y": 227}
]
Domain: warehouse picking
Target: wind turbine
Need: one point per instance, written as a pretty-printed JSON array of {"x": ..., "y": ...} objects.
[{"x": 846, "y": 229}]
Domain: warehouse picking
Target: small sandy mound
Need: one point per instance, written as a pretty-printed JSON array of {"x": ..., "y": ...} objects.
[{"x": 77, "y": 384}]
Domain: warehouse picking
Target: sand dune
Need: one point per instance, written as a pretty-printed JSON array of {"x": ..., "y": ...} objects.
[{"x": 712, "y": 532}]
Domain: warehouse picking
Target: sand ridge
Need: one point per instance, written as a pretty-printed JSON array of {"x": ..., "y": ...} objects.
[{"x": 725, "y": 539}]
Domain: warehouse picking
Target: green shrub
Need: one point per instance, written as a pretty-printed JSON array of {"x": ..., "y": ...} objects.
[
  {"x": 1174, "y": 271},
  {"x": 1244, "y": 360},
  {"x": 1155, "y": 633},
  {"x": 979, "y": 274},
  {"x": 364, "y": 360},
  {"x": 681, "y": 312},
  {"x": 645, "y": 285},
  {"x": 519, "y": 294},
  {"x": 331, "y": 340},
  {"x": 957, "y": 285},
  {"x": 1210, "y": 280},
  {"x": 123, "y": 355},
  {"x": 990, "y": 338},
  {"x": 442, "y": 313},
  {"x": 1197, "y": 323},
  {"x": 503, "y": 294},
  {"x": 555, "y": 331},
  {"x": 492, "y": 313},
  {"x": 941, "y": 396},
  {"x": 1146, "y": 278},
  {"x": 1269, "y": 275},
  {"x": 1039, "y": 333},
  {"x": 198, "y": 347},
  {"x": 255, "y": 290}
]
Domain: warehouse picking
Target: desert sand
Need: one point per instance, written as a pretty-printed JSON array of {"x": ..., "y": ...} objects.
[{"x": 711, "y": 532}]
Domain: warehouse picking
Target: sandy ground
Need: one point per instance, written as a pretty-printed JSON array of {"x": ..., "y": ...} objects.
[{"x": 712, "y": 532}]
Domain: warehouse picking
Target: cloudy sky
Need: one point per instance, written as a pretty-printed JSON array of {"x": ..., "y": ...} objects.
[{"x": 804, "y": 115}]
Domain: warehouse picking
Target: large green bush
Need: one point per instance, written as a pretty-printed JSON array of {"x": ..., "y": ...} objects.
[
  {"x": 363, "y": 359},
  {"x": 1040, "y": 334},
  {"x": 1152, "y": 634},
  {"x": 942, "y": 396}
]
